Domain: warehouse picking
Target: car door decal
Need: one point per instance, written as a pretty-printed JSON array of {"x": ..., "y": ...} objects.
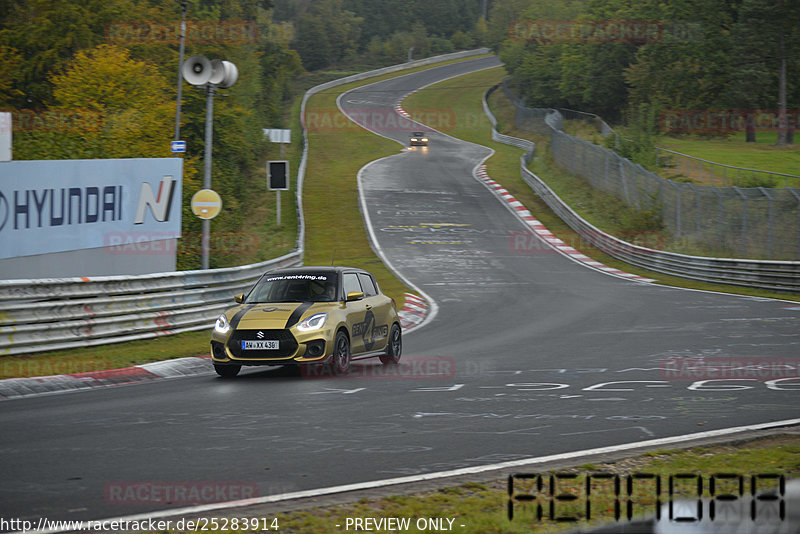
[
  {"x": 369, "y": 326},
  {"x": 367, "y": 330},
  {"x": 298, "y": 312}
]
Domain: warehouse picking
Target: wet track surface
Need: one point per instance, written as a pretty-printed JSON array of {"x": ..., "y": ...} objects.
[{"x": 529, "y": 354}]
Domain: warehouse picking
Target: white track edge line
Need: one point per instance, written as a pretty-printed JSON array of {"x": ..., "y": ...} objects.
[
  {"x": 161, "y": 514},
  {"x": 433, "y": 307}
]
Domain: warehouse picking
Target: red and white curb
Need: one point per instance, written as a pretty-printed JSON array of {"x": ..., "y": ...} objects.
[
  {"x": 399, "y": 109},
  {"x": 13, "y": 388},
  {"x": 413, "y": 312},
  {"x": 398, "y": 106},
  {"x": 540, "y": 230}
]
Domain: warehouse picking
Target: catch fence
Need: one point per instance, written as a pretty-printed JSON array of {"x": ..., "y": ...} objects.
[
  {"x": 766, "y": 274},
  {"x": 750, "y": 222}
]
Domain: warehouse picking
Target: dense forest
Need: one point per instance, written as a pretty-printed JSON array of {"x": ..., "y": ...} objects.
[
  {"x": 383, "y": 31},
  {"x": 709, "y": 55}
]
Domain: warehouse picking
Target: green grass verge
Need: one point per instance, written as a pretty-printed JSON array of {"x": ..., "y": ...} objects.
[
  {"x": 482, "y": 506},
  {"x": 733, "y": 150},
  {"x": 762, "y": 155},
  {"x": 104, "y": 357},
  {"x": 334, "y": 230}
]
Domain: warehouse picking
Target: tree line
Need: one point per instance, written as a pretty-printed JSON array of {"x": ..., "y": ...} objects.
[
  {"x": 732, "y": 57},
  {"x": 330, "y": 32}
]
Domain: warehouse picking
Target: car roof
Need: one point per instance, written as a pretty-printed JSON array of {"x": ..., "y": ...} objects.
[{"x": 316, "y": 269}]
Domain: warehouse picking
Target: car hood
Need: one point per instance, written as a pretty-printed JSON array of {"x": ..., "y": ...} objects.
[{"x": 274, "y": 316}]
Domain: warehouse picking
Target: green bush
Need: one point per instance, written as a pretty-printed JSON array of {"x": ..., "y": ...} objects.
[{"x": 756, "y": 180}]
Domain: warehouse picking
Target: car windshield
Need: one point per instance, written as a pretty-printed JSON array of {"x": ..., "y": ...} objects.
[
  {"x": 418, "y": 134},
  {"x": 294, "y": 288}
]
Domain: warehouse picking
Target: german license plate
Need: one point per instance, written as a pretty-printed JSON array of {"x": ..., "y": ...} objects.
[{"x": 260, "y": 344}]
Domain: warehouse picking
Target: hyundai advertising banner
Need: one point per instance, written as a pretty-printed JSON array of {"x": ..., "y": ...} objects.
[{"x": 63, "y": 205}]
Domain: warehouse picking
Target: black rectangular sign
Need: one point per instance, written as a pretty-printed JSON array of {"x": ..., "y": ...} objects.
[{"x": 278, "y": 175}]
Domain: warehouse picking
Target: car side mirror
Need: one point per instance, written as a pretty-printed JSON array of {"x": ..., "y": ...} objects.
[
  {"x": 239, "y": 298},
  {"x": 355, "y": 295}
]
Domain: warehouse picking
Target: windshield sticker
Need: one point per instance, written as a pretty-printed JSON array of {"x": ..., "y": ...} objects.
[{"x": 297, "y": 277}]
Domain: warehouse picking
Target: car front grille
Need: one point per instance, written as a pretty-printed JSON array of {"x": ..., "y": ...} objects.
[{"x": 287, "y": 344}]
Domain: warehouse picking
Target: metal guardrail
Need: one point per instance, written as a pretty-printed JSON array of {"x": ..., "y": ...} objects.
[
  {"x": 727, "y": 174},
  {"x": 765, "y": 274},
  {"x": 592, "y": 118},
  {"x": 60, "y": 313}
]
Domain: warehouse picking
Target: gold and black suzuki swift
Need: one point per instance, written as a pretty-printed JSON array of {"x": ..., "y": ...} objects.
[{"x": 308, "y": 316}]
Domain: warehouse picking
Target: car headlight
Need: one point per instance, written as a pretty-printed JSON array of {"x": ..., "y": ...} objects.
[
  {"x": 222, "y": 325},
  {"x": 314, "y": 322}
]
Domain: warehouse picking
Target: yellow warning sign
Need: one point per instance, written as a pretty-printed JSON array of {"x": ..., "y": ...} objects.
[{"x": 206, "y": 204}]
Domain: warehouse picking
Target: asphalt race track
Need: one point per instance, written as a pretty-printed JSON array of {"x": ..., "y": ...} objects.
[{"x": 529, "y": 354}]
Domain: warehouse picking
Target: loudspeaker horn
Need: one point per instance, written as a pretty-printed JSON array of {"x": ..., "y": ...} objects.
[
  {"x": 217, "y": 72},
  {"x": 230, "y": 76},
  {"x": 197, "y": 70}
]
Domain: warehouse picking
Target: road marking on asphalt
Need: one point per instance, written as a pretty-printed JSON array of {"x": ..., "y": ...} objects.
[
  {"x": 337, "y": 391},
  {"x": 514, "y": 464}
]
